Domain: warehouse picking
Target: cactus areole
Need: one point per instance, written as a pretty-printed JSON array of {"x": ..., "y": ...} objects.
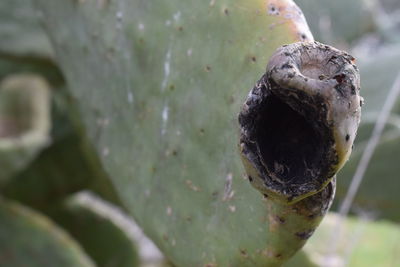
[{"x": 299, "y": 121}]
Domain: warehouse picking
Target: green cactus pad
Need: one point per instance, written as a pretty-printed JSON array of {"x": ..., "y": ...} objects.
[
  {"x": 63, "y": 168},
  {"x": 104, "y": 241},
  {"x": 30, "y": 239},
  {"x": 24, "y": 121},
  {"x": 160, "y": 85},
  {"x": 20, "y": 31}
]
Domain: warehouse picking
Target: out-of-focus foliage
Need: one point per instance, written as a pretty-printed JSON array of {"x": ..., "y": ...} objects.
[
  {"x": 359, "y": 243},
  {"x": 20, "y": 31},
  {"x": 104, "y": 241},
  {"x": 379, "y": 191},
  {"x": 338, "y": 22},
  {"x": 64, "y": 167},
  {"x": 24, "y": 122},
  {"x": 391, "y": 6},
  {"x": 30, "y": 239}
]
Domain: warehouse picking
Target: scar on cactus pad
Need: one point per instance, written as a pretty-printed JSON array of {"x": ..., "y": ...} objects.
[{"x": 299, "y": 122}]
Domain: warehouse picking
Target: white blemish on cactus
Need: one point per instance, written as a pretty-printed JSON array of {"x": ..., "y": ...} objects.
[
  {"x": 141, "y": 26},
  {"x": 228, "y": 192},
  {"x": 169, "y": 211},
  {"x": 177, "y": 16},
  {"x": 130, "y": 97},
  {"x": 106, "y": 151},
  {"x": 189, "y": 52},
  {"x": 119, "y": 15},
  {"x": 103, "y": 122},
  {"x": 167, "y": 69},
  {"x": 164, "y": 116}
]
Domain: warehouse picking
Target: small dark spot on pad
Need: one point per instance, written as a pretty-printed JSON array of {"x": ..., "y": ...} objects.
[
  {"x": 305, "y": 235},
  {"x": 215, "y": 194},
  {"x": 347, "y": 137},
  {"x": 311, "y": 216},
  {"x": 281, "y": 220},
  {"x": 250, "y": 179},
  {"x": 243, "y": 252}
]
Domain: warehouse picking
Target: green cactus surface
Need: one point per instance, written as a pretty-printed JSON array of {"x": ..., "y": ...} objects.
[
  {"x": 24, "y": 46},
  {"x": 24, "y": 121},
  {"x": 63, "y": 168},
  {"x": 104, "y": 241},
  {"x": 159, "y": 86},
  {"x": 30, "y": 239},
  {"x": 20, "y": 32}
]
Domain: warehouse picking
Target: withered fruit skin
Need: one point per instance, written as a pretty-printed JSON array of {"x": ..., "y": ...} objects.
[{"x": 299, "y": 122}]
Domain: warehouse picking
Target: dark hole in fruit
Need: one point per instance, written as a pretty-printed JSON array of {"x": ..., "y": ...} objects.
[{"x": 289, "y": 146}]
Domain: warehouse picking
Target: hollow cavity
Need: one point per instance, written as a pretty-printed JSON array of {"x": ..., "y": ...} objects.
[{"x": 289, "y": 146}]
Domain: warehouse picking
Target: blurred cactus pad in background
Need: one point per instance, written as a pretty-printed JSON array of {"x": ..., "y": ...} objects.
[{"x": 120, "y": 117}]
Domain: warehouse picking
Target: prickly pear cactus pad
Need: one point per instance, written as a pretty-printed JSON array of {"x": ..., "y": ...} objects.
[
  {"x": 24, "y": 121},
  {"x": 20, "y": 32},
  {"x": 28, "y": 238},
  {"x": 103, "y": 240},
  {"x": 159, "y": 86}
]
